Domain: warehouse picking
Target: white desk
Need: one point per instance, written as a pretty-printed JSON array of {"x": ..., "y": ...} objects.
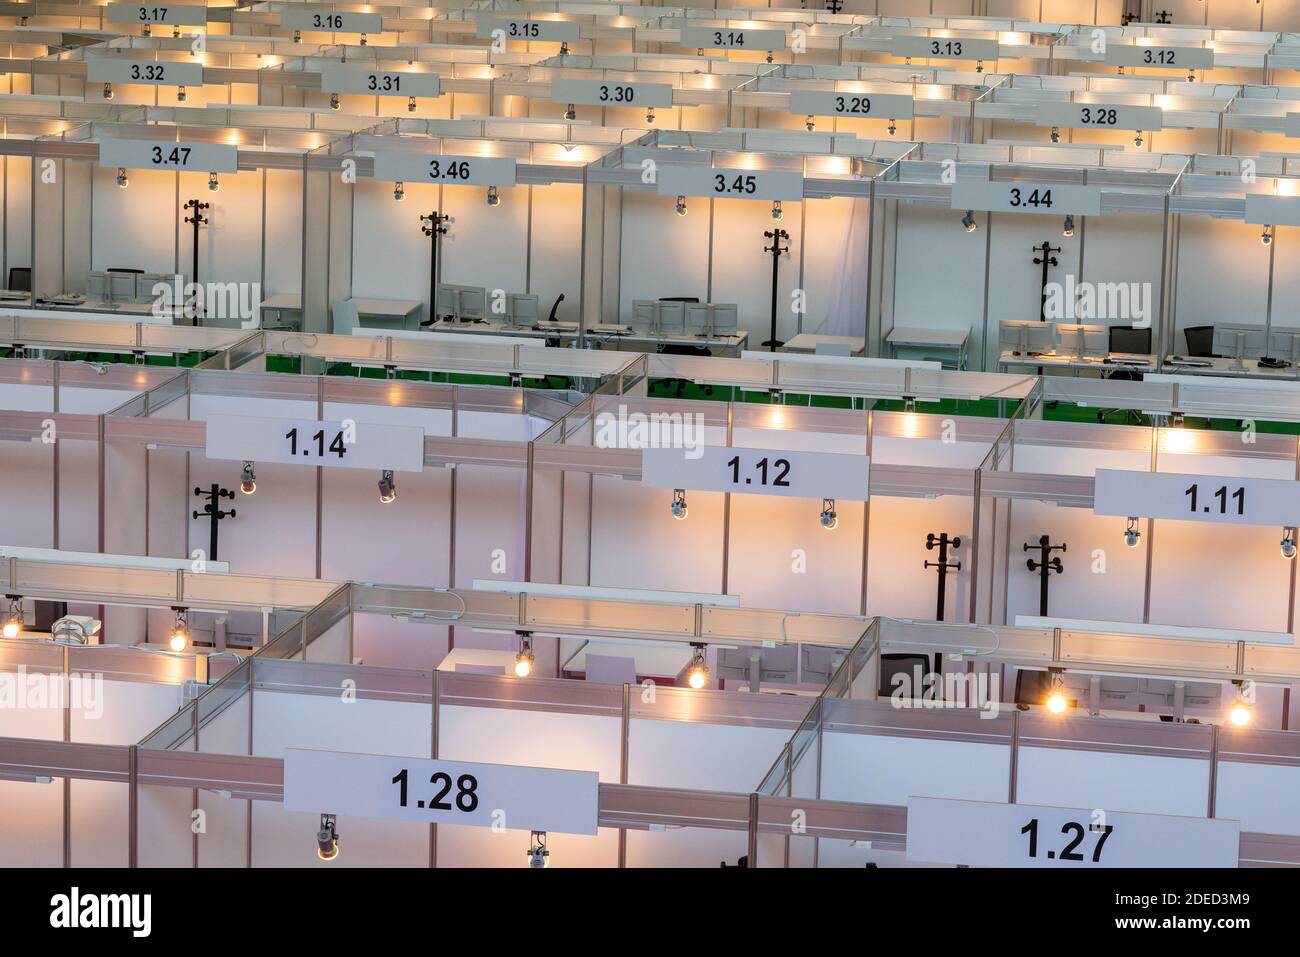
[
  {"x": 1074, "y": 363},
  {"x": 280, "y": 303},
  {"x": 483, "y": 661},
  {"x": 404, "y": 312},
  {"x": 569, "y": 334},
  {"x": 1249, "y": 369},
  {"x": 929, "y": 340},
  {"x": 807, "y": 342}
]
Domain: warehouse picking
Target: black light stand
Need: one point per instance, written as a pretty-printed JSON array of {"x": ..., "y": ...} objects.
[
  {"x": 434, "y": 226},
  {"x": 943, "y": 543},
  {"x": 1046, "y": 564},
  {"x": 214, "y": 496},
  {"x": 1046, "y": 260},
  {"x": 197, "y": 220},
  {"x": 776, "y": 249}
]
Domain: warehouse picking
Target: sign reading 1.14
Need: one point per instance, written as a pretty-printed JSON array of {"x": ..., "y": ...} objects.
[{"x": 315, "y": 445}]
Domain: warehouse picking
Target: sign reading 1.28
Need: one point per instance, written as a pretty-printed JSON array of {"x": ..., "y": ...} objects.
[
  {"x": 1068, "y": 852},
  {"x": 775, "y": 477},
  {"x": 1221, "y": 497},
  {"x": 466, "y": 787},
  {"x": 319, "y": 444}
]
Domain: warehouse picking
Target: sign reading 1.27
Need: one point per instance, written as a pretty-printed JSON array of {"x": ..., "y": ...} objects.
[{"x": 1075, "y": 833}]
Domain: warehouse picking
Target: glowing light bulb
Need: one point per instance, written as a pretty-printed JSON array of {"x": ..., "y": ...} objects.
[{"x": 1056, "y": 702}]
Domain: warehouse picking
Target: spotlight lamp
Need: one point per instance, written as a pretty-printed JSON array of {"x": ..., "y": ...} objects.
[
  {"x": 1067, "y": 229},
  {"x": 892, "y": 128},
  {"x": 681, "y": 205},
  {"x": 213, "y": 184},
  {"x": 122, "y": 181},
  {"x": 180, "y": 94},
  {"x": 180, "y": 636},
  {"x": 327, "y": 838},
  {"x": 570, "y": 112},
  {"x": 1240, "y": 712},
  {"x": 1266, "y": 237},
  {"x": 248, "y": 479},
  {"x": 650, "y": 114},
  {"x": 493, "y": 197},
  {"x": 1177, "y": 419},
  {"x": 1137, "y": 138},
  {"x": 108, "y": 91},
  {"x": 399, "y": 191},
  {"x": 334, "y": 101},
  {"x": 387, "y": 487},
  {"x": 524, "y": 659},
  {"x": 410, "y": 104},
  {"x": 828, "y": 517},
  {"x": 538, "y": 855},
  {"x": 297, "y": 36},
  {"x": 909, "y": 403},
  {"x": 1056, "y": 134},
  {"x": 968, "y": 221},
  {"x": 1131, "y": 533},
  {"x": 809, "y": 124},
  {"x": 1056, "y": 702},
  {"x": 1288, "y": 542},
  {"x": 776, "y": 209},
  {"x": 13, "y": 626},
  {"x": 698, "y": 675},
  {"x": 679, "y": 504}
]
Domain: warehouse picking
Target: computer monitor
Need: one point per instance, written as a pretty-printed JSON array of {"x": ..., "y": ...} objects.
[
  {"x": 1238, "y": 341},
  {"x": 1079, "y": 339},
  {"x": 645, "y": 313},
  {"x": 1027, "y": 337},
  {"x": 819, "y": 664},
  {"x": 712, "y": 319},
  {"x": 776, "y": 665},
  {"x": 20, "y": 278},
  {"x": 448, "y": 304},
  {"x": 672, "y": 317},
  {"x": 473, "y": 303},
  {"x": 1282, "y": 344},
  {"x": 521, "y": 310},
  {"x": 1119, "y": 693},
  {"x": 1127, "y": 340}
]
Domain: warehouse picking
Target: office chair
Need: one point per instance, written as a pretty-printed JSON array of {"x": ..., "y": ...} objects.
[
  {"x": 20, "y": 279},
  {"x": 344, "y": 318},
  {"x": 1126, "y": 340},
  {"x": 1200, "y": 341},
  {"x": 891, "y": 665}
]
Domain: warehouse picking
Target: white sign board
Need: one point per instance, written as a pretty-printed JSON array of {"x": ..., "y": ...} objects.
[
  {"x": 440, "y": 792},
  {"x": 884, "y": 106},
  {"x": 175, "y": 14},
  {"x": 156, "y": 72},
  {"x": 1291, "y": 126},
  {"x": 983, "y": 834},
  {"x": 733, "y": 38},
  {"x": 395, "y": 167},
  {"x": 331, "y": 21},
  {"x": 758, "y": 471},
  {"x": 996, "y": 196},
  {"x": 1099, "y": 116},
  {"x": 728, "y": 183},
  {"x": 345, "y": 78},
  {"x": 1197, "y": 498},
  {"x": 611, "y": 93},
  {"x": 944, "y": 48},
  {"x": 549, "y": 31},
  {"x": 156, "y": 154},
  {"x": 341, "y": 444},
  {"x": 1263, "y": 209},
  {"x": 1159, "y": 57}
]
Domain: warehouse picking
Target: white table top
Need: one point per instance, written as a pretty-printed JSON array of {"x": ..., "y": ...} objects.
[
  {"x": 283, "y": 300},
  {"x": 916, "y": 335},
  {"x": 479, "y": 660},
  {"x": 392, "y": 308},
  {"x": 808, "y": 342}
]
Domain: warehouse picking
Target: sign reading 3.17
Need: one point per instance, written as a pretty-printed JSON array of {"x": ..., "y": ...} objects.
[
  {"x": 153, "y": 72},
  {"x": 441, "y": 792},
  {"x": 884, "y": 106},
  {"x": 173, "y": 14},
  {"x": 151, "y": 154},
  {"x": 1197, "y": 498},
  {"x": 398, "y": 167},
  {"x": 341, "y": 78},
  {"x": 733, "y": 38},
  {"x": 758, "y": 471}
]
